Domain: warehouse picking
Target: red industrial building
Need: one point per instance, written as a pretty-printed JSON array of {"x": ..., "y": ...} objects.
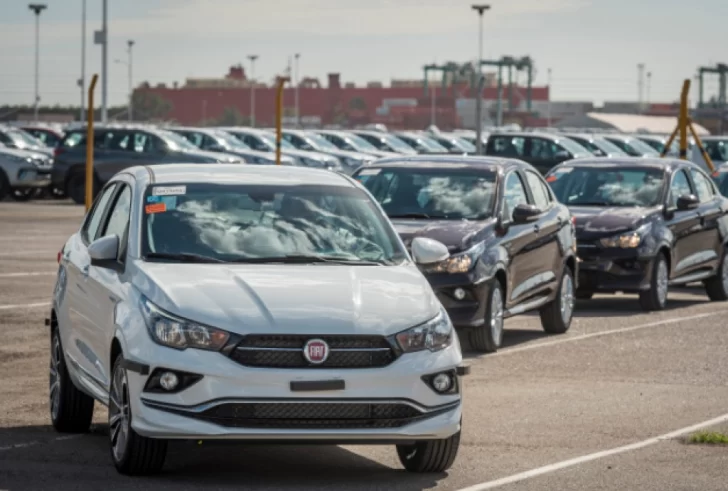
[{"x": 404, "y": 105}]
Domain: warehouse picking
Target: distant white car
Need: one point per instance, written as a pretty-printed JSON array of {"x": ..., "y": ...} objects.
[
  {"x": 255, "y": 303},
  {"x": 22, "y": 172}
]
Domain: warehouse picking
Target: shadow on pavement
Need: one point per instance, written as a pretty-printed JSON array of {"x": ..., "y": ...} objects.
[
  {"x": 628, "y": 305},
  {"x": 83, "y": 462}
]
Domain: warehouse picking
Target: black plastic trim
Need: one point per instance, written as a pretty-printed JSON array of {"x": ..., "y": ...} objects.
[
  {"x": 317, "y": 385},
  {"x": 134, "y": 366},
  {"x": 455, "y": 389}
]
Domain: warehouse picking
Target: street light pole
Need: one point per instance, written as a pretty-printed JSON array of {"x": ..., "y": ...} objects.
[
  {"x": 130, "y": 44},
  {"x": 480, "y": 8},
  {"x": 104, "y": 61},
  {"x": 82, "y": 80},
  {"x": 296, "y": 82},
  {"x": 37, "y": 8},
  {"x": 548, "y": 110},
  {"x": 252, "y": 59}
]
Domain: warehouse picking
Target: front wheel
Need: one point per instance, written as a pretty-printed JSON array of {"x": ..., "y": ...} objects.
[
  {"x": 556, "y": 316},
  {"x": 487, "y": 338},
  {"x": 71, "y": 409},
  {"x": 717, "y": 286},
  {"x": 430, "y": 456},
  {"x": 656, "y": 297},
  {"x": 133, "y": 454}
]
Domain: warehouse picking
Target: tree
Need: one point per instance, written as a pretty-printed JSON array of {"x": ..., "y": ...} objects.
[{"x": 149, "y": 106}]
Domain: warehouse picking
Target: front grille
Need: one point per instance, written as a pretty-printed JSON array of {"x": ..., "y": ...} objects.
[
  {"x": 286, "y": 351},
  {"x": 304, "y": 415}
]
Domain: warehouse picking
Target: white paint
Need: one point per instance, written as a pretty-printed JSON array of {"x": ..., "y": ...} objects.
[
  {"x": 169, "y": 190},
  {"x": 27, "y": 273},
  {"x": 24, "y": 306},
  {"x": 582, "y": 337},
  {"x": 539, "y": 471},
  {"x": 34, "y": 443}
]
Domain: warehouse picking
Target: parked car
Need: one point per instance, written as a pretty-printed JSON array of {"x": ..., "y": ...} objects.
[
  {"x": 13, "y": 137},
  {"x": 509, "y": 246},
  {"x": 633, "y": 147},
  {"x": 117, "y": 148},
  {"x": 346, "y": 140},
  {"x": 265, "y": 141},
  {"x": 311, "y": 142},
  {"x": 596, "y": 145},
  {"x": 715, "y": 146},
  {"x": 659, "y": 142},
  {"x": 541, "y": 150},
  {"x": 258, "y": 332},
  {"x": 643, "y": 225},
  {"x": 22, "y": 173},
  {"x": 720, "y": 177},
  {"x": 213, "y": 140},
  {"x": 386, "y": 142},
  {"x": 422, "y": 143},
  {"x": 50, "y": 137},
  {"x": 454, "y": 143}
]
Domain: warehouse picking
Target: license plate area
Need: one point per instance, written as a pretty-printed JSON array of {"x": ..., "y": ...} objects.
[{"x": 317, "y": 385}]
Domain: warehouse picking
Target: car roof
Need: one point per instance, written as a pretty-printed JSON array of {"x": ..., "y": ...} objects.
[
  {"x": 235, "y": 174},
  {"x": 435, "y": 161},
  {"x": 656, "y": 162}
]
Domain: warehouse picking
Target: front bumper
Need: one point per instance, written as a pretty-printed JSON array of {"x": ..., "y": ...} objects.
[
  {"x": 609, "y": 271},
  {"x": 29, "y": 177},
  {"x": 231, "y": 401},
  {"x": 468, "y": 312}
]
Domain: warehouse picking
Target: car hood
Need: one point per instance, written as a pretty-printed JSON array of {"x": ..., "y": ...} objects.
[
  {"x": 48, "y": 152},
  {"x": 22, "y": 153},
  {"x": 315, "y": 299},
  {"x": 345, "y": 154},
  {"x": 593, "y": 221},
  {"x": 250, "y": 155},
  {"x": 383, "y": 154},
  {"x": 457, "y": 235},
  {"x": 218, "y": 156},
  {"x": 296, "y": 153}
]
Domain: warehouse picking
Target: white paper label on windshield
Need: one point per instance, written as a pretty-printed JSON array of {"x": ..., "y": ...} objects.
[
  {"x": 369, "y": 172},
  {"x": 169, "y": 190}
]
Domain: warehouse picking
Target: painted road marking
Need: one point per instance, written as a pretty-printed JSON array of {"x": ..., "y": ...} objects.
[
  {"x": 34, "y": 443},
  {"x": 539, "y": 471},
  {"x": 25, "y": 306},
  {"x": 27, "y": 273}
]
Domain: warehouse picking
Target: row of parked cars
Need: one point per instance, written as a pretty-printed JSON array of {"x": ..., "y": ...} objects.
[{"x": 333, "y": 304}]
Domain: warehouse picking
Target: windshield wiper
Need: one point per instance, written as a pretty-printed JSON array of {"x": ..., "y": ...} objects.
[
  {"x": 185, "y": 257},
  {"x": 593, "y": 203},
  {"x": 413, "y": 215},
  {"x": 307, "y": 259}
]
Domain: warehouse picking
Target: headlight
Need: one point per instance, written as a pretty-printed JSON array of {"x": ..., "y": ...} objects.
[
  {"x": 457, "y": 263},
  {"x": 628, "y": 240},
  {"x": 434, "y": 335},
  {"x": 175, "y": 332}
]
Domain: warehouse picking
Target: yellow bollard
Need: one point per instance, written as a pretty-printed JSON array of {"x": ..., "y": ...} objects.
[{"x": 90, "y": 143}]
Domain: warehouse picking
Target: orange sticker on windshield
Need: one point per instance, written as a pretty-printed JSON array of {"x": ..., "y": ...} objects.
[
  {"x": 155, "y": 208},
  {"x": 551, "y": 178}
]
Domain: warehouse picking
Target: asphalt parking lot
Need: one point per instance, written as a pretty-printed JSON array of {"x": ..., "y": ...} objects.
[{"x": 605, "y": 407}]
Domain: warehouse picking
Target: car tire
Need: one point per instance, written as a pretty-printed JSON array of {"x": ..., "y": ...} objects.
[
  {"x": 717, "y": 286},
  {"x": 556, "y": 316},
  {"x": 76, "y": 188},
  {"x": 429, "y": 456},
  {"x": 655, "y": 298},
  {"x": 487, "y": 338},
  {"x": 71, "y": 409},
  {"x": 132, "y": 454},
  {"x": 4, "y": 185}
]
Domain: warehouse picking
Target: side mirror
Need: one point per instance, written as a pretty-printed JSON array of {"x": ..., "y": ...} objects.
[
  {"x": 428, "y": 251},
  {"x": 687, "y": 202},
  {"x": 525, "y": 213},
  {"x": 104, "y": 252}
]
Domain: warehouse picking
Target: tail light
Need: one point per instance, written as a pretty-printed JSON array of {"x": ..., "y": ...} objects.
[{"x": 57, "y": 151}]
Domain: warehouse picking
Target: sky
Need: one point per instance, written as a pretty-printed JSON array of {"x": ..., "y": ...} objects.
[{"x": 592, "y": 47}]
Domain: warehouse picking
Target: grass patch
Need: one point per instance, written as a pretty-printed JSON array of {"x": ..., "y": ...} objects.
[{"x": 709, "y": 437}]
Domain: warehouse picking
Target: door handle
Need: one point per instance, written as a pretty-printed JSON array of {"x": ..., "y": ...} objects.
[
  {"x": 84, "y": 270},
  {"x": 536, "y": 228}
]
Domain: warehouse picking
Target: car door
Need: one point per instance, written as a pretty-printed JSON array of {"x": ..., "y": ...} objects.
[
  {"x": 549, "y": 253},
  {"x": 79, "y": 313},
  {"x": 518, "y": 241},
  {"x": 707, "y": 240},
  {"x": 684, "y": 225},
  {"x": 104, "y": 285}
]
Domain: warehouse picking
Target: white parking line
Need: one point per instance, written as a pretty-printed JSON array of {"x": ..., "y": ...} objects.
[
  {"x": 34, "y": 443},
  {"x": 24, "y": 306},
  {"x": 27, "y": 273},
  {"x": 522, "y": 476}
]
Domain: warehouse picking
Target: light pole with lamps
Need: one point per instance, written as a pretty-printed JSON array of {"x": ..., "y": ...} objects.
[
  {"x": 82, "y": 80},
  {"x": 252, "y": 59},
  {"x": 130, "y": 44},
  {"x": 480, "y": 8},
  {"x": 37, "y": 8},
  {"x": 296, "y": 83}
]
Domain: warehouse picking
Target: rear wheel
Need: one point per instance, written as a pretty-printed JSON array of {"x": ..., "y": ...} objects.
[
  {"x": 488, "y": 337},
  {"x": 429, "y": 456},
  {"x": 717, "y": 286},
  {"x": 556, "y": 316},
  {"x": 4, "y": 185},
  {"x": 71, "y": 409},
  {"x": 656, "y": 297},
  {"x": 76, "y": 188},
  {"x": 132, "y": 453}
]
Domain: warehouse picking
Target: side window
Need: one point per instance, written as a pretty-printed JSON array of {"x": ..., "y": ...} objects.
[
  {"x": 679, "y": 186},
  {"x": 91, "y": 228},
  {"x": 507, "y": 146},
  {"x": 541, "y": 195},
  {"x": 703, "y": 186},
  {"x": 542, "y": 149},
  {"x": 119, "y": 216},
  {"x": 193, "y": 138},
  {"x": 514, "y": 194}
]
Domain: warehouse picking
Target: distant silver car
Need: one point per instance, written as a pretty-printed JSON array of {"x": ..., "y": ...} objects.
[{"x": 23, "y": 172}]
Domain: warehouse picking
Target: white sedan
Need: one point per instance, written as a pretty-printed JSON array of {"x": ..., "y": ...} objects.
[{"x": 252, "y": 303}]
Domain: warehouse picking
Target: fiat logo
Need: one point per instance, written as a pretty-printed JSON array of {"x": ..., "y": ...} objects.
[{"x": 316, "y": 351}]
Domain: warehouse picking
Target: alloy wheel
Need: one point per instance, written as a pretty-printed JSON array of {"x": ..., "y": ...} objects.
[
  {"x": 55, "y": 377},
  {"x": 724, "y": 273},
  {"x": 662, "y": 281},
  {"x": 496, "y": 316},
  {"x": 567, "y": 299},
  {"x": 119, "y": 414}
]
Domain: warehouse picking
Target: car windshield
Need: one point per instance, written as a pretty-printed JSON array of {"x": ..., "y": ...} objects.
[
  {"x": 319, "y": 142},
  {"x": 270, "y": 141},
  {"x": 257, "y": 223},
  {"x": 432, "y": 193},
  {"x": 607, "y": 185},
  {"x": 25, "y": 138},
  {"x": 176, "y": 141},
  {"x": 360, "y": 143},
  {"x": 229, "y": 140},
  {"x": 463, "y": 144},
  {"x": 396, "y": 143},
  {"x": 717, "y": 149},
  {"x": 573, "y": 147},
  {"x": 430, "y": 144},
  {"x": 608, "y": 147}
]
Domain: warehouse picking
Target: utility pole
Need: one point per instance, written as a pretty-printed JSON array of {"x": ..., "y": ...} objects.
[
  {"x": 296, "y": 82},
  {"x": 640, "y": 85},
  {"x": 130, "y": 44},
  {"x": 548, "y": 107},
  {"x": 649, "y": 84},
  {"x": 252, "y": 59},
  {"x": 37, "y": 8},
  {"x": 82, "y": 80},
  {"x": 479, "y": 101},
  {"x": 102, "y": 37}
]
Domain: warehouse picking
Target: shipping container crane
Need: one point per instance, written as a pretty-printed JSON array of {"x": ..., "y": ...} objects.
[
  {"x": 445, "y": 69},
  {"x": 721, "y": 70}
]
